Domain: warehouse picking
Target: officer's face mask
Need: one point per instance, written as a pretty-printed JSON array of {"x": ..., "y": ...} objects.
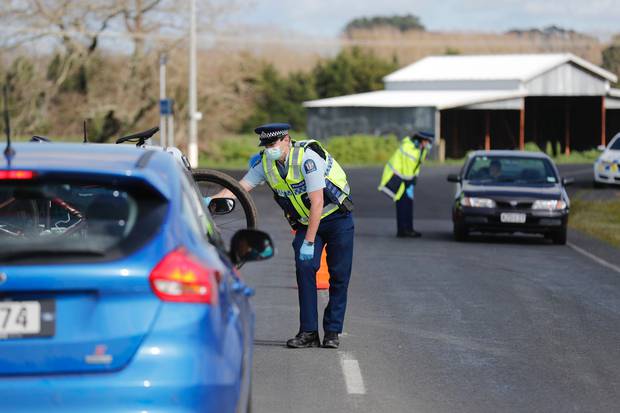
[{"x": 275, "y": 152}]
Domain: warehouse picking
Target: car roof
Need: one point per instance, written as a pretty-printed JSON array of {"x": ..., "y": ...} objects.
[
  {"x": 156, "y": 167},
  {"x": 514, "y": 153}
]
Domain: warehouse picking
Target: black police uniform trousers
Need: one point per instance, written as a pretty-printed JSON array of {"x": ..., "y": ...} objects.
[
  {"x": 404, "y": 211},
  {"x": 336, "y": 234}
]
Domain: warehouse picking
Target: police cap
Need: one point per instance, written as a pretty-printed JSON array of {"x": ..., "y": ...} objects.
[
  {"x": 271, "y": 132},
  {"x": 420, "y": 135}
]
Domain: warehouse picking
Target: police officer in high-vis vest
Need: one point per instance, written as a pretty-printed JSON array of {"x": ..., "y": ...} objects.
[
  {"x": 400, "y": 176},
  {"x": 312, "y": 190}
]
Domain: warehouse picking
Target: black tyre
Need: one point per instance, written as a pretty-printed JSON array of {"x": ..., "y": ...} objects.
[
  {"x": 597, "y": 184},
  {"x": 249, "y": 408},
  {"x": 559, "y": 237},
  {"x": 243, "y": 216},
  {"x": 459, "y": 232}
]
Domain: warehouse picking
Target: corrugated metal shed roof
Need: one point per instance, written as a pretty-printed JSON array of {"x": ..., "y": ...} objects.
[
  {"x": 521, "y": 67},
  {"x": 444, "y": 99}
]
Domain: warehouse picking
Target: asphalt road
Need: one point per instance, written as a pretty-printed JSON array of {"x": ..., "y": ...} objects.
[{"x": 498, "y": 324}]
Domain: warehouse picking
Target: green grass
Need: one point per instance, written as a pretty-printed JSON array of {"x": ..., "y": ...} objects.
[
  {"x": 600, "y": 219},
  {"x": 233, "y": 152},
  {"x": 585, "y": 157}
]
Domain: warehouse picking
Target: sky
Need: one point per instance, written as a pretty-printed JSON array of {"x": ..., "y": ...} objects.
[{"x": 328, "y": 17}]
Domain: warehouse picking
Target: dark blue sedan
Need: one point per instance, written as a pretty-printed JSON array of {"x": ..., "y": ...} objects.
[
  {"x": 116, "y": 293},
  {"x": 510, "y": 192}
]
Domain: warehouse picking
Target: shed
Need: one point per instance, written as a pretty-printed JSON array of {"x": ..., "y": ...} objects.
[{"x": 483, "y": 102}]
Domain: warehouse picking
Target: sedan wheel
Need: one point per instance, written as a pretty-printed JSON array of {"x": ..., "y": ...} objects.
[
  {"x": 459, "y": 232},
  {"x": 559, "y": 237}
]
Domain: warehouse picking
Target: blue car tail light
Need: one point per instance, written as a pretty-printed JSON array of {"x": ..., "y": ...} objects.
[{"x": 181, "y": 277}]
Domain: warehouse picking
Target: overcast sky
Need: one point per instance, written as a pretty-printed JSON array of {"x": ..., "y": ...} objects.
[{"x": 328, "y": 17}]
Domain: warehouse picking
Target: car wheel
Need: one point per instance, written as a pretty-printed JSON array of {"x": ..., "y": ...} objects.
[
  {"x": 459, "y": 232},
  {"x": 249, "y": 406},
  {"x": 559, "y": 237},
  {"x": 598, "y": 184}
]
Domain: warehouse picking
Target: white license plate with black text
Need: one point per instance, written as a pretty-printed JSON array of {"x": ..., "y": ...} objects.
[
  {"x": 512, "y": 218},
  {"x": 20, "y": 318}
]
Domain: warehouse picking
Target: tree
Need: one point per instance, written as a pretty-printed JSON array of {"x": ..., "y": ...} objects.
[
  {"x": 351, "y": 71},
  {"x": 112, "y": 86},
  {"x": 279, "y": 99},
  {"x": 611, "y": 58},
  {"x": 401, "y": 23}
]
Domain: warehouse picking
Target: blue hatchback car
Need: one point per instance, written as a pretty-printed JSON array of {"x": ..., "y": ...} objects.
[{"x": 116, "y": 293}]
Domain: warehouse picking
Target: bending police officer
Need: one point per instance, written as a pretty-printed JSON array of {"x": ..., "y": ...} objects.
[
  {"x": 400, "y": 177},
  {"x": 312, "y": 190}
]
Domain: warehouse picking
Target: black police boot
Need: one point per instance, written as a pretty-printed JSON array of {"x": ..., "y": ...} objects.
[
  {"x": 331, "y": 340},
  {"x": 305, "y": 339},
  {"x": 408, "y": 234}
]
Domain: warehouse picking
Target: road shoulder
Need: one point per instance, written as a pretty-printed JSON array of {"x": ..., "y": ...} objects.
[{"x": 595, "y": 246}]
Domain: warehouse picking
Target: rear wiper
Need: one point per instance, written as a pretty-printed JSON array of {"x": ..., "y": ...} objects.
[{"x": 42, "y": 253}]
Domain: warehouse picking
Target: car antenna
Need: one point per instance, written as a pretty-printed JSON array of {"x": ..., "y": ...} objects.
[
  {"x": 9, "y": 152},
  {"x": 85, "y": 133}
]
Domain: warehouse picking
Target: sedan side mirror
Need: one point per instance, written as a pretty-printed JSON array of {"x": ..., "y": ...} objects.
[
  {"x": 454, "y": 178},
  {"x": 568, "y": 181},
  {"x": 250, "y": 245},
  {"x": 221, "y": 206},
  {"x": 601, "y": 148}
]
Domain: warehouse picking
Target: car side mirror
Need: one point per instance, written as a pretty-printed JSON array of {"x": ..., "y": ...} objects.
[
  {"x": 568, "y": 181},
  {"x": 250, "y": 245},
  {"x": 454, "y": 178},
  {"x": 221, "y": 206},
  {"x": 601, "y": 148}
]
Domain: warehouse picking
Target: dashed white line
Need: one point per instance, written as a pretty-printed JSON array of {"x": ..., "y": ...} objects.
[
  {"x": 352, "y": 374},
  {"x": 594, "y": 258}
]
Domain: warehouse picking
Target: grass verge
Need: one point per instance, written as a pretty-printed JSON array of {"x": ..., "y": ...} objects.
[
  {"x": 234, "y": 152},
  {"x": 600, "y": 219}
]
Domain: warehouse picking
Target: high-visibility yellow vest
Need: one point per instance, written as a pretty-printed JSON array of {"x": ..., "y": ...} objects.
[
  {"x": 291, "y": 192},
  {"x": 404, "y": 165}
]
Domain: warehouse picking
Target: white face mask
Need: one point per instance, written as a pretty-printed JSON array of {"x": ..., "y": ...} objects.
[{"x": 273, "y": 154}]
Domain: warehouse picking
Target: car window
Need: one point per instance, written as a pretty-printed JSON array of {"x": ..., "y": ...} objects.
[
  {"x": 77, "y": 217},
  {"x": 615, "y": 145},
  {"x": 194, "y": 210},
  {"x": 511, "y": 170}
]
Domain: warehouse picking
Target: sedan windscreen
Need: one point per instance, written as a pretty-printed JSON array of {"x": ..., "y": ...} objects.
[
  {"x": 52, "y": 220},
  {"x": 615, "y": 145},
  {"x": 510, "y": 170}
]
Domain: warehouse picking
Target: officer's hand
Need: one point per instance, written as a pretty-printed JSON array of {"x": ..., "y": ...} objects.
[
  {"x": 306, "y": 252},
  {"x": 410, "y": 191}
]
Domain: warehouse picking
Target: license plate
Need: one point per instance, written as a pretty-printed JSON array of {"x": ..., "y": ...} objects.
[
  {"x": 512, "y": 218},
  {"x": 22, "y": 319}
]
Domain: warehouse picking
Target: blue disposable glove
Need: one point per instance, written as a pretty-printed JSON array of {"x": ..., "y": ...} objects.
[
  {"x": 306, "y": 252},
  {"x": 207, "y": 200},
  {"x": 409, "y": 191}
]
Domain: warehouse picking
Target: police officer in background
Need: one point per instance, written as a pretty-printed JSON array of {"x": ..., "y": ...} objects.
[
  {"x": 400, "y": 176},
  {"x": 312, "y": 190}
]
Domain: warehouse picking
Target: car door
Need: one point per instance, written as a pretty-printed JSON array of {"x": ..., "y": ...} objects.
[{"x": 234, "y": 293}]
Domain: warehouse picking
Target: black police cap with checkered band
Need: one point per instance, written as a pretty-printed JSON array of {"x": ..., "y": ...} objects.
[{"x": 271, "y": 132}]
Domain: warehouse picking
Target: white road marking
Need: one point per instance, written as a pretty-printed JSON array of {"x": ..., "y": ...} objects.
[
  {"x": 352, "y": 374},
  {"x": 595, "y": 258},
  {"x": 324, "y": 296}
]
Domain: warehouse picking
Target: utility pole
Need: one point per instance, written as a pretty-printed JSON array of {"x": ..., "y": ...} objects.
[
  {"x": 194, "y": 116},
  {"x": 162, "y": 97}
]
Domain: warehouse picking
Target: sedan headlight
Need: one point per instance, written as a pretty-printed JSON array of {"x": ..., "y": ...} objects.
[
  {"x": 549, "y": 204},
  {"x": 477, "y": 202}
]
